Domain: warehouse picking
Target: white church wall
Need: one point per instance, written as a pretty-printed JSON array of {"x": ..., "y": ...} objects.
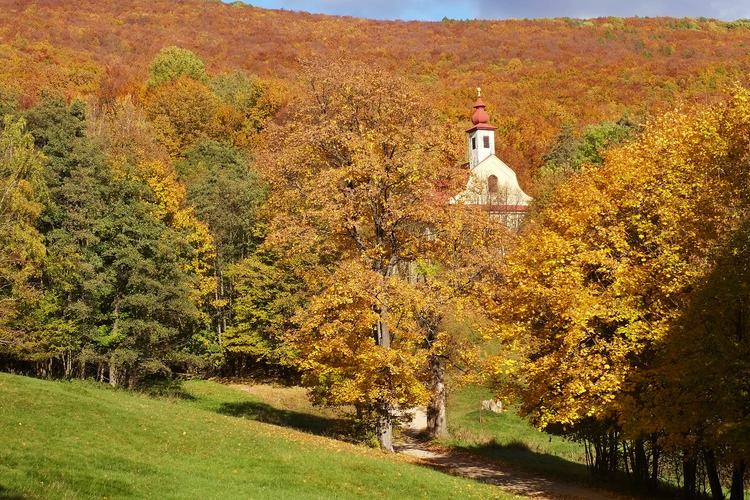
[{"x": 509, "y": 192}]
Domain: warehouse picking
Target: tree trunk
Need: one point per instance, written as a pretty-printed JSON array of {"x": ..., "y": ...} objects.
[
  {"x": 709, "y": 459},
  {"x": 628, "y": 460},
  {"x": 69, "y": 366},
  {"x": 614, "y": 445},
  {"x": 384, "y": 425},
  {"x": 598, "y": 455},
  {"x": 640, "y": 465},
  {"x": 113, "y": 375},
  {"x": 737, "y": 491},
  {"x": 384, "y": 333},
  {"x": 689, "y": 470},
  {"x": 384, "y": 428},
  {"x": 654, "y": 463},
  {"x": 437, "y": 417}
]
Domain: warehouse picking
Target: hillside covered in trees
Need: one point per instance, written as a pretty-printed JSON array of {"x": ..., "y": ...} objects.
[
  {"x": 537, "y": 75},
  {"x": 191, "y": 189}
]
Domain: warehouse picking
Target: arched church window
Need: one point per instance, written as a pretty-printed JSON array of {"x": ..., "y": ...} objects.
[
  {"x": 492, "y": 184},
  {"x": 486, "y": 142}
]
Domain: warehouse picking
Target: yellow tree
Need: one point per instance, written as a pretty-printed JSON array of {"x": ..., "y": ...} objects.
[
  {"x": 182, "y": 111},
  {"x": 360, "y": 179},
  {"x": 186, "y": 106},
  {"x": 604, "y": 270},
  {"x": 699, "y": 381},
  {"x": 21, "y": 245},
  {"x": 462, "y": 264}
]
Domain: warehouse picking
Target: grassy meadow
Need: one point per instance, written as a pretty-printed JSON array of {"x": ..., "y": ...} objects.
[
  {"x": 84, "y": 440},
  {"x": 508, "y": 437}
]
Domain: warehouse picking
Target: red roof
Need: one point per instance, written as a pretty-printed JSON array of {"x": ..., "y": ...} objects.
[
  {"x": 505, "y": 208},
  {"x": 480, "y": 118}
]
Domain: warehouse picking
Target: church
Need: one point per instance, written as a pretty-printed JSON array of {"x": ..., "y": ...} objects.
[{"x": 492, "y": 184}]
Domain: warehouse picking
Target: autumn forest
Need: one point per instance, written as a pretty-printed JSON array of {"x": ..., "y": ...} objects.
[{"x": 196, "y": 190}]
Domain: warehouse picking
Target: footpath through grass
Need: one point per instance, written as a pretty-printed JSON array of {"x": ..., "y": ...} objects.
[{"x": 82, "y": 440}]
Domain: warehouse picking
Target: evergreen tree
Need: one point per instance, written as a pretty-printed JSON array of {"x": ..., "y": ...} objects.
[
  {"x": 226, "y": 193},
  {"x": 118, "y": 278}
]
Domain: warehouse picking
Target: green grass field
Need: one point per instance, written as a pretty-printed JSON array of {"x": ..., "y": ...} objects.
[
  {"x": 510, "y": 438},
  {"x": 82, "y": 440}
]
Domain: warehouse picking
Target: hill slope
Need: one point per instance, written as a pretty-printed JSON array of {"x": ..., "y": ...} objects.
[
  {"x": 536, "y": 74},
  {"x": 79, "y": 440}
]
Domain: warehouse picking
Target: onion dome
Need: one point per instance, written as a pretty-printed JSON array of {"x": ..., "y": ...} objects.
[{"x": 480, "y": 116}]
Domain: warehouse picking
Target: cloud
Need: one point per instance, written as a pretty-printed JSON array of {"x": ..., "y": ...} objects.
[
  {"x": 501, "y": 9},
  {"x": 381, "y": 9},
  {"x": 722, "y": 9}
]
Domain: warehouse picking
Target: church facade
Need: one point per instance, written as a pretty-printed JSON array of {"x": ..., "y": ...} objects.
[{"x": 492, "y": 184}]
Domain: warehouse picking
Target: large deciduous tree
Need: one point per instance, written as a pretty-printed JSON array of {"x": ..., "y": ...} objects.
[
  {"x": 360, "y": 178},
  {"x": 172, "y": 63},
  {"x": 599, "y": 293}
]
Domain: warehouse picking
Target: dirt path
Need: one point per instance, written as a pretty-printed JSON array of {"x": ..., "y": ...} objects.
[
  {"x": 471, "y": 466},
  {"x": 508, "y": 478}
]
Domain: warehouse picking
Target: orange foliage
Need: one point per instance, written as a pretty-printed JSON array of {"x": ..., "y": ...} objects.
[{"x": 537, "y": 74}]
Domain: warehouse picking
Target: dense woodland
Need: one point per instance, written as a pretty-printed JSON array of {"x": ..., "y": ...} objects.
[
  {"x": 195, "y": 188},
  {"x": 539, "y": 74}
]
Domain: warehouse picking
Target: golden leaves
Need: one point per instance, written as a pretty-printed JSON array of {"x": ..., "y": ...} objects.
[
  {"x": 360, "y": 184},
  {"x": 603, "y": 272}
]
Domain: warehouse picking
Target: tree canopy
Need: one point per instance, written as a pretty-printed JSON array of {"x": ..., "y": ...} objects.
[
  {"x": 613, "y": 273},
  {"x": 360, "y": 179},
  {"x": 171, "y": 63}
]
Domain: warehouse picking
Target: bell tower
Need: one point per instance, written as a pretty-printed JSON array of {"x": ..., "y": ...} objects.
[{"x": 481, "y": 137}]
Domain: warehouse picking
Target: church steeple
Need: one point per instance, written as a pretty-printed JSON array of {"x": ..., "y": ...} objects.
[{"x": 482, "y": 135}]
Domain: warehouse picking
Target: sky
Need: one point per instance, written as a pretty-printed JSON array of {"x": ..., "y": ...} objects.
[{"x": 434, "y": 10}]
